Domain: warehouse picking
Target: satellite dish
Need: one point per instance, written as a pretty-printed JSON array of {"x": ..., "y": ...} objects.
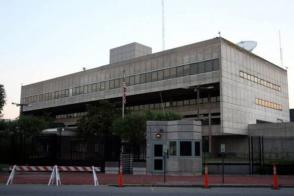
[{"x": 247, "y": 45}]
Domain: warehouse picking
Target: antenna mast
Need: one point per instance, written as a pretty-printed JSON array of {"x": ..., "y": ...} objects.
[
  {"x": 163, "y": 29},
  {"x": 281, "y": 51}
]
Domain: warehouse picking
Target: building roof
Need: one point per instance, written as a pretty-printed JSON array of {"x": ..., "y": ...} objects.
[{"x": 153, "y": 55}]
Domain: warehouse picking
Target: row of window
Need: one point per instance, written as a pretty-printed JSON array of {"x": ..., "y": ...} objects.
[
  {"x": 47, "y": 96},
  {"x": 268, "y": 104},
  {"x": 172, "y": 104},
  {"x": 186, "y": 148},
  {"x": 259, "y": 81},
  {"x": 71, "y": 115},
  {"x": 164, "y": 74},
  {"x": 183, "y": 70}
]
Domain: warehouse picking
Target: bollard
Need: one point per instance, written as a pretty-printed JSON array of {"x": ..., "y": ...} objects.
[
  {"x": 206, "y": 177},
  {"x": 275, "y": 177}
]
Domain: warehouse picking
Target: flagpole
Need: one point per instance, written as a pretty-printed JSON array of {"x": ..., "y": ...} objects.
[{"x": 123, "y": 95}]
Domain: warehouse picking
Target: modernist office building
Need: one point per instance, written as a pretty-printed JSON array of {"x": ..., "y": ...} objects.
[{"x": 225, "y": 86}]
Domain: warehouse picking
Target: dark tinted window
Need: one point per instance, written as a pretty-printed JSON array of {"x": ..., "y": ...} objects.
[
  {"x": 166, "y": 74},
  {"x": 160, "y": 75},
  {"x": 137, "y": 79},
  {"x": 216, "y": 64},
  {"x": 142, "y": 78},
  {"x": 158, "y": 150},
  {"x": 186, "y": 70},
  {"x": 102, "y": 86},
  {"x": 158, "y": 164},
  {"x": 201, "y": 67},
  {"x": 132, "y": 80},
  {"x": 173, "y": 148},
  {"x": 117, "y": 83},
  {"x": 185, "y": 148},
  {"x": 111, "y": 84},
  {"x": 197, "y": 149},
  {"x": 148, "y": 77},
  {"x": 154, "y": 76},
  {"x": 173, "y": 72},
  {"x": 208, "y": 66},
  {"x": 180, "y": 71},
  {"x": 194, "y": 68}
]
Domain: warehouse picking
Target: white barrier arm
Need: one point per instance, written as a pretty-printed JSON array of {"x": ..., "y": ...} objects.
[
  {"x": 95, "y": 179},
  {"x": 11, "y": 176}
]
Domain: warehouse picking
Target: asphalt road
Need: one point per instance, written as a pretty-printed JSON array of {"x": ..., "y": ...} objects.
[{"x": 43, "y": 190}]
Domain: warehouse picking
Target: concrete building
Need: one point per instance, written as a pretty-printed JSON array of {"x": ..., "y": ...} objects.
[{"x": 215, "y": 81}]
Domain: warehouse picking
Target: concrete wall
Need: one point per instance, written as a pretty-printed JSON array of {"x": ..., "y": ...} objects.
[
  {"x": 238, "y": 95},
  {"x": 272, "y": 129}
]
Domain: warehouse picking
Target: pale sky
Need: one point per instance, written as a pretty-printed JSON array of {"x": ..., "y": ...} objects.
[{"x": 42, "y": 39}]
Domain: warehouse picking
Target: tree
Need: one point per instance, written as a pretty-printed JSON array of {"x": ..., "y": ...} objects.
[
  {"x": 98, "y": 121},
  {"x": 2, "y": 98},
  {"x": 31, "y": 126},
  {"x": 133, "y": 127}
]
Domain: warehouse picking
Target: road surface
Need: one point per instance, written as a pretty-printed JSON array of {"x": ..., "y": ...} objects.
[{"x": 34, "y": 190}]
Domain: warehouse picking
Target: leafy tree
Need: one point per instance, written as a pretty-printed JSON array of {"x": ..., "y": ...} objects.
[
  {"x": 2, "y": 125},
  {"x": 98, "y": 121},
  {"x": 132, "y": 128},
  {"x": 31, "y": 126},
  {"x": 2, "y": 98}
]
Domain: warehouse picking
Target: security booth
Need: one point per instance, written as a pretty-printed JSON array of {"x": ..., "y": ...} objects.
[{"x": 174, "y": 147}]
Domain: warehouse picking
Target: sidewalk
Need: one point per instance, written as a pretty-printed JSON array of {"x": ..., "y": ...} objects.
[{"x": 148, "y": 180}]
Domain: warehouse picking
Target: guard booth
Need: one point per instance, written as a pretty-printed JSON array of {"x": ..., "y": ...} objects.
[{"x": 174, "y": 147}]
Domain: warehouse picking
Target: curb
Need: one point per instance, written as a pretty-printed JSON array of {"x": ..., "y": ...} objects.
[{"x": 201, "y": 186}]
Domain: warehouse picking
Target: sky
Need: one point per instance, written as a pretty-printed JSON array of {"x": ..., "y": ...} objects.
[{"x": 43, "y": 39}]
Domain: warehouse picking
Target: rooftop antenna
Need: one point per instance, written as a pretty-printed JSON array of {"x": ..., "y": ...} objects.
[
  {"x": 163, "y": 28},
  {"x": 219, "y": 34},
  {"x": 281, "y": 51}
]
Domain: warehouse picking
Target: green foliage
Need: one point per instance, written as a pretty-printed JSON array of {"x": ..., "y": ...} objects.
[
  {"x": 31, "y": 125},
  {"x": 98, "y": 121},
  {"x": 2, "y": 98},
  {"x": 27, "y": 126},
  {"x": 2, "y": 125},
  {"x": 132, "y": 128}
]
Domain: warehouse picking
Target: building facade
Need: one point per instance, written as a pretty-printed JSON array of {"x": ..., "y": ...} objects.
[{"x": 215, "y": 81}]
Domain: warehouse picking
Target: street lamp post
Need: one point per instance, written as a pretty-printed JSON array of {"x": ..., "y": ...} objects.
[
  {"x": 20, "y": 105},
  {"x": 197, "y": 90}
]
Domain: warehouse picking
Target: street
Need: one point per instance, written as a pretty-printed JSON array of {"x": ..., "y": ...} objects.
[{"x": 32, "y": 190}]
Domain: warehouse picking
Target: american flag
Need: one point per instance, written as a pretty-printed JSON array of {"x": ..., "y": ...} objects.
[{"x": 124, "y": 96}]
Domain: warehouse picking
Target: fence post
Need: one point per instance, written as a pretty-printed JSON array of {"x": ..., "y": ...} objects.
[{"x": 275, "y": 178}]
